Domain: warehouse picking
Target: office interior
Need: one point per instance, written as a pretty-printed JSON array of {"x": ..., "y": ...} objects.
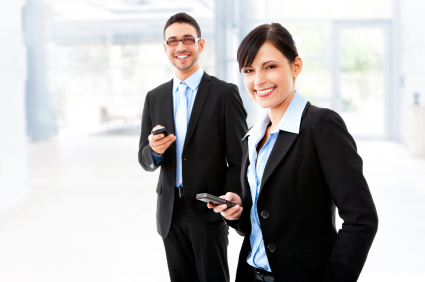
[{"x": 74, "y": 202}]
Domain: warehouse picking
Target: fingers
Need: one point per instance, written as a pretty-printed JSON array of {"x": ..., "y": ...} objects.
[
  {"x": 233, "y": 198},
  {"x": 153, "y": 138},
  {"x": 156, "y": 140},
  {"x": 161, "y": 144},
  {"x": 157, "y": 127},
  {"x": 232, "y": 213}
]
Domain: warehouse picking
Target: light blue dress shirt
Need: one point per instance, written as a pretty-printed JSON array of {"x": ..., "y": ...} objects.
[
  {"x": 192, "y": 82},
  {"x": 290, "y": 122}
]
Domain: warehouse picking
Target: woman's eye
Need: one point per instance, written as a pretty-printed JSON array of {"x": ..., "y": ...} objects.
[
  {"x": 270, "y": 67},
  {"x": 247, "y": 71}
]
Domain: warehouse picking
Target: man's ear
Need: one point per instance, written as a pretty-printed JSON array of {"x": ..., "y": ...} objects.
[
  {"x": 201, "y": 43},
  {"x": 165, "y": 47}
]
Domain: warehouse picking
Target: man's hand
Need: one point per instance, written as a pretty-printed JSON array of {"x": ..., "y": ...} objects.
[
  {"x": 159, "y": 143},
  {"x": 232, "y": 213}
]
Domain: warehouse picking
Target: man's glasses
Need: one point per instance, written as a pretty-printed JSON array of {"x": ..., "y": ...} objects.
[{"x": 185, "y": 41}]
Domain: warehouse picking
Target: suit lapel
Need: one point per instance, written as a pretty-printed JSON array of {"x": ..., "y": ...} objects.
[
  {"x": 280, "y": 149},
  {"x": 167, "y": 100},
  {"x": 201, "y": 96}
]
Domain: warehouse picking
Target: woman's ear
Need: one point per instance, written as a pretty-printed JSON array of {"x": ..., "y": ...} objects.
[{"x": 297, "y": 66}]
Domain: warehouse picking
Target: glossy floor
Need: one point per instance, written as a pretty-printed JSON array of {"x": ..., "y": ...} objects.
[{"x": 90, "y": 215}]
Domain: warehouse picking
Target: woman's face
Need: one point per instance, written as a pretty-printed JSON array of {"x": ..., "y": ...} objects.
[{"x": 270, "y": 80}]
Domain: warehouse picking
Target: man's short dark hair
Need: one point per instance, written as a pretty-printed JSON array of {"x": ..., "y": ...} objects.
[{"x": 183, "y": 18}]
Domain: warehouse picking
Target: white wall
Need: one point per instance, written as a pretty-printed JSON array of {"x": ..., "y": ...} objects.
[{"x": 13, "y": 169}]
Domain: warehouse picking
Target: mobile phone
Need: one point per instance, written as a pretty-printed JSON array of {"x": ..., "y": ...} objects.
[
  {"x": 159, "y": 131},
  {"x": 205, "y": 197}
]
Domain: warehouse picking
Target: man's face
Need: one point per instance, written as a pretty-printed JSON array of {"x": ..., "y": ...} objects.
[{"x": 183, "y": 57}]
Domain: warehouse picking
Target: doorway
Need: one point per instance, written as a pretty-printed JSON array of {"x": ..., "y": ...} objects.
[{"x": 361, "y": 70}]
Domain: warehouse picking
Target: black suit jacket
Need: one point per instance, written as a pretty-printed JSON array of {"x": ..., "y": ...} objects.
[
  {"x": 306, "y": 176},
  {"x": 212, "y": 151}
]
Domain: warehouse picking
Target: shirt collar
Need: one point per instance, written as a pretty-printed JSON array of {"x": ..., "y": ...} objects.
[
  {"x": 290, "y": 121},
  {"x": 192, "y": 81}
]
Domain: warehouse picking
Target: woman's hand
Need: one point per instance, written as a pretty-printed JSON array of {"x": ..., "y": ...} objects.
[{"x": 233, "y": 213}]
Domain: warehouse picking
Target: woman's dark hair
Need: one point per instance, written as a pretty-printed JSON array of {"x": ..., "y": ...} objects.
[
  {"x": 273, "y": 33},
  {"x": 183, "y": 18}
]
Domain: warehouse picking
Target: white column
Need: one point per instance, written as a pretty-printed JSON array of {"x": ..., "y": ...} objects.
[
  {"x": 412, "y": 71},
  {"x": 13, "y": 168}
]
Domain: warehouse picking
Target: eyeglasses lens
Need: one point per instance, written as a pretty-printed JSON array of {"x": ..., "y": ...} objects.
[{"x": 185, "y": 41}]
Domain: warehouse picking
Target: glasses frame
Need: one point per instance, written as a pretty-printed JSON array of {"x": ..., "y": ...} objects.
[{"x": 178, "y": 42}]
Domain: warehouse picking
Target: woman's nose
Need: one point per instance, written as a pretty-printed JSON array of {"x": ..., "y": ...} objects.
[{"x": 259, "y": 79}]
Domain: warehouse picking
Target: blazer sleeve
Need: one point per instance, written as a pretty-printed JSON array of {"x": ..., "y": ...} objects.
[
  {"x": 235, "y": 128},
  {"x": 343, "y": 170},
  {"x": 145, "y": 156}
]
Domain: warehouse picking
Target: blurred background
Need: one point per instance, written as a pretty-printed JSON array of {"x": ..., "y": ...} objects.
[{"x": 74, "y": 202}]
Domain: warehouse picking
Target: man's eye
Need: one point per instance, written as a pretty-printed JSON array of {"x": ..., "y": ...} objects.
[{"x": 188, "y": 40}]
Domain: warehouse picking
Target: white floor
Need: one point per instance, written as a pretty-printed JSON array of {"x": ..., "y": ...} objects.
[{"x": 90, "y": 215}]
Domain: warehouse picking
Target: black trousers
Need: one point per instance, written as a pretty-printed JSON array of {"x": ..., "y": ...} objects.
[{"x": 196, "y": 250}]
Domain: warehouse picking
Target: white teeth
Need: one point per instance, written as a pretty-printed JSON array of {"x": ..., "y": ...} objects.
[
  {"x": 181, "y": 57},
  {"x": 265, "y": 91}
]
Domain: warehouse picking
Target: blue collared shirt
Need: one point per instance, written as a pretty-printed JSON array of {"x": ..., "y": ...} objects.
[
  {"x": 290, "y": 122},
  {"x": 192, "y": 82}
]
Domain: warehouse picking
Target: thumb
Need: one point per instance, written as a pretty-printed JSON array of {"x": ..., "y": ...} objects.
[{"x": 229, "y": 196}]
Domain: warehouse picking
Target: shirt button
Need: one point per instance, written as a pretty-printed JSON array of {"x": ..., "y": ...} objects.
[
  {"x": 253, "y": 221},
  {"x": 271, "y": 248},
  {"x": 265, "y": 214}
]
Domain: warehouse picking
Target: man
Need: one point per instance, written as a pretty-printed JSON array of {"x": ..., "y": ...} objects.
[{"x": 206, "y": 119}]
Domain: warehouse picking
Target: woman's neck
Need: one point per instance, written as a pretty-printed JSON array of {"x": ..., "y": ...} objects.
[{"x": 276, "y": 113}]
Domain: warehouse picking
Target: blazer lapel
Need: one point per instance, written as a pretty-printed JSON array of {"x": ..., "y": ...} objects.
[
  {"x": 280, "y": 149},
  {"x": 201, "y": 96},
  {"x": 167, "y": 100}
]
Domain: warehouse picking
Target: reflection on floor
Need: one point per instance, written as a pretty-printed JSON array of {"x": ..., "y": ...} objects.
[{"x": 90, "y": 215}]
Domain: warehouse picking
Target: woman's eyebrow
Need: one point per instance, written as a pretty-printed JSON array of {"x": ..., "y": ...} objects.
[{"x": 271, "y": 61}]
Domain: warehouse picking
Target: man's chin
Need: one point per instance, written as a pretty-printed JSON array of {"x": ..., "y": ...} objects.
[{"x": 184, "y": 67}]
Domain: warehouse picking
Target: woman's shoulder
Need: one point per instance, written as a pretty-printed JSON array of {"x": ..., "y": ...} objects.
[
  {"x": 318, "y": 120},
  {"x": 317, "y": 115}
]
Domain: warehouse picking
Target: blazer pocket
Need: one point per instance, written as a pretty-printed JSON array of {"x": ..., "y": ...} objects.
[
  {"x": 313, "y": 258},
  {"x": 159, "y": 188}
]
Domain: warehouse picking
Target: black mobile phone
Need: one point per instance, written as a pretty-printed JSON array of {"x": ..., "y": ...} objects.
[
  {"x": 205, "y": 197},
  {"x": 159, "y": 131}
]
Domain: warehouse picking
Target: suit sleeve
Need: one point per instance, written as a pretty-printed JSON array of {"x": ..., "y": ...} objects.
[
  {"x": 146, "y": 159},
  {"x": 343, "y": 171},
  {"x": 235, "y": 128}
]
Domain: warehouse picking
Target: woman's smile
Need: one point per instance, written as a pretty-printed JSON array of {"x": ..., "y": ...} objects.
[{"x": 264, "y": 92}]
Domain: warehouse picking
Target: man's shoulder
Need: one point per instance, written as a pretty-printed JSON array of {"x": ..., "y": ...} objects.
[
  {"x": 161, "y": 88},
  {"x": 221, "y": 83}
]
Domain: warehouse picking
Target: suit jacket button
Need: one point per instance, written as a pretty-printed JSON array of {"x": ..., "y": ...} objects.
[
  {"x": 265, "y": 214},
  {"x": 272, "y": 248}
]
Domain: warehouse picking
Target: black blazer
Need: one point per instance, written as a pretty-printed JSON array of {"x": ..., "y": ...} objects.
[
  {"x": 212, "y": 151},
  {"x": 306, "y": 176}
]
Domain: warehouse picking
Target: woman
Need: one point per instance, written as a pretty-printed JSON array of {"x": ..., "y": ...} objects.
[{"x": 299, "y": 163}]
